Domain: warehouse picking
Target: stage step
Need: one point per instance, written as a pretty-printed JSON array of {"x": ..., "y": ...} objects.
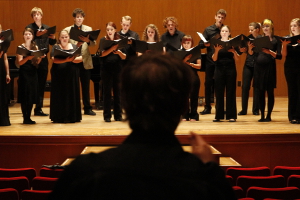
[{"x": 224, "y": 162}]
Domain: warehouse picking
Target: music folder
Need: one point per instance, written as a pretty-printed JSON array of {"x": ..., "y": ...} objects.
[
  {"x": 75, "y": 33},
  {"x": 143, "y": 46},
  {"x": 228, "y": 44},
  {"x": 106, "y": 44},
  {"x": 293, "y": 39},
  {"x": 260, "y": 43},
  {"x": 50, "y": 30},
  {"x": 25, "y": 52},
  {"x": 7, "y": 35},
  {"x": 195, "y": 51},
  {"x": 60, "y": 53}
]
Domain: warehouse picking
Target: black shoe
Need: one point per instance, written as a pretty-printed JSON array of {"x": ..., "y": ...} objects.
[
  {"x": 255, "y": 113},
  {"x": 40, "y": 113},
  {"x": 119, "y": 119},
  {"x": 294, "y": 121},
  {"x": 242, "y": 113},
  {"x": 107, "y": 120},
  {"x": 216, "y": 120},
  {"x": 28, "y": 121},
  {"x": 89, "y": 112},
  {"x": 206, "y": 111},
  {"x": 232, "y": 120}
]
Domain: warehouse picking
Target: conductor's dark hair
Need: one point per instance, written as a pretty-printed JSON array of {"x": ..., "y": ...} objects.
[
  {"x": 78, "y": 11},
  {"x": 155, "y": 90}
]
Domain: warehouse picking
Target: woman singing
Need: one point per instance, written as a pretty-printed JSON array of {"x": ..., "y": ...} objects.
[
  {"x": 292, "y": 72},
  {"x": 65, "y": 92},
  {"x": 265, "y": 71},
  {"x": 110, "y": 71},
  {"x": 225, "y": 78},
  {"x": 192, "y": 114}
]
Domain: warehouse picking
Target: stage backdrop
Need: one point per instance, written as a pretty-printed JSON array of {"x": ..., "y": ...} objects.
[{"x": 192, "y": 15}]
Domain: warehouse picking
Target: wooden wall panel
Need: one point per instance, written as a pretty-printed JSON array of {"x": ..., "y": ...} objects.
[{"x": 192, "y": 16}]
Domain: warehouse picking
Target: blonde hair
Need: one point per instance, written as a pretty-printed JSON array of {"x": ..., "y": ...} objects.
[
  {"x": 64, "y": 30},
  {"x": 297, "y": 20},
  {"x": 270, "y": 23},
  {"x": 127, "y": 18},
  {"x": 156, "y": 36},
  {"x": 35, "y": 10}
]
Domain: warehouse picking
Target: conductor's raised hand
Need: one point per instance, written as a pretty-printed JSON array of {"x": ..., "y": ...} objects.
[{"x": 201, "y": 149}]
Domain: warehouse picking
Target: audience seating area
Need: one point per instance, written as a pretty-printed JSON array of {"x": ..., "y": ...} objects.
[
  {"x": 259, "y": 184},
  {"x": 248, "y": 183},
  {"x": 24, "y": 184}
]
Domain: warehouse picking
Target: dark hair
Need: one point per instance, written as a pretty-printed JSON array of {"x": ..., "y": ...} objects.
[
  {"x": 78, "y": 11},
  {"x": 116, "y": 36},
  {"x": 187, "y": 38},
  {"x": 155, "y": 91}
]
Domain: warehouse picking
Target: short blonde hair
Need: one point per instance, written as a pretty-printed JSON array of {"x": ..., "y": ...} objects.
[
  {"x": 35, "y": 10},
  {"x": 127, "y": 18}
]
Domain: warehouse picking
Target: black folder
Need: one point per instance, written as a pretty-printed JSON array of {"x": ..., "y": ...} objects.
[
  {"x": 51, "y": 30},
  {"x": 260, "y": 43},
  {"x": 293, "y": 39},
  {"x": 7, "y": 34},
  {"x": 25, "y": 52},
  {"x": 4, "y": 45},
  {"x": 75, "y": 33},
  {"x": 233, "y": 42},
  {"x": 106, "y": 44},
  {"x": 195, "y": 51},
  {"x": 60, "y": 53},
  {"x": 142, "y": 46}
]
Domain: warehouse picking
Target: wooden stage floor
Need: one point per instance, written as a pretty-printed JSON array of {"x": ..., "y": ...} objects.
[
  {"x": 249, "y": 142},
  {"x": 95, "y": 126}
]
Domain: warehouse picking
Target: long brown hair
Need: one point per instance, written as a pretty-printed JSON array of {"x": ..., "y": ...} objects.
[
  {"x": 33, "y": 44},
  {"x": 156, "y": 36}
]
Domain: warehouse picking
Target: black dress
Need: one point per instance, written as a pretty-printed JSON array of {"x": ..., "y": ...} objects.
[
  {"x": 4, "y": 100},
  {"x": 265, "y": 68},
  {"x": 27, "y": 83},
  {"x": 65, "y": 92},
  {"x": 292, "y": 75}
]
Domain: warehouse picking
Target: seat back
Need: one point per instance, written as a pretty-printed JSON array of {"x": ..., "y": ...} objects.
[
  {"x": 238, "y": 191},
  {"x": 259, "y": 193},
  {"x": 35, "y": 194},
  {"x": 52, "y": 173},
  {"x": 9, "y": 194},
  {"x": 19, "y": 183},
  {"x": 246, "y": 182},
  {"x": 43, "y": 183},
  {"x": 286, "y": 171},
  {"x": 294, "y": 180},
  {"x": 235, "y": 172},
  {"x": 30, "y": 173}
]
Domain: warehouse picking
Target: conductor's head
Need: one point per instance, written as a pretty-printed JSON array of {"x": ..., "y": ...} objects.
[{"x": 155, "y": 90}]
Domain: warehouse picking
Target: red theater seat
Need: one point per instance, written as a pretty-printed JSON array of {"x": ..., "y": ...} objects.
[
  {"x": 286, "y": 171},
  {"x": 52, "y": 173},
  {"x": 9, "y": 194},
  {"x": 19, "y": 183},
  {"x": 30, "y": 173},
  {"x": 35, "y": 194},
  {"x": 43, "y": 183},
  {"x": 259, "y": 193},
  {"x": 246, "y": 182},
  {"x": 294, "y": 180},
  {"x": 235, "y": 172}
]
